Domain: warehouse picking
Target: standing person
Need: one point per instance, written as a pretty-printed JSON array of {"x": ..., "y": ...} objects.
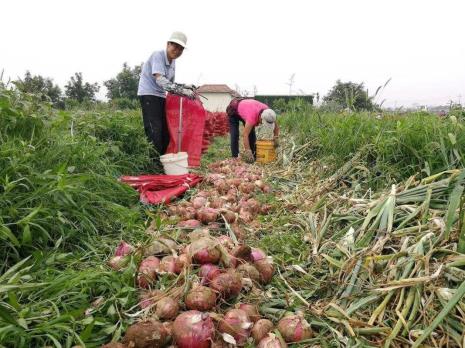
[
  {"x": 157, "y": 78},
  {"x": 250, "y": 113}
]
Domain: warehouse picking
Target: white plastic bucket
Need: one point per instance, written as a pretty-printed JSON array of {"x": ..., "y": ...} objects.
[{"x": 175, "y": 163}]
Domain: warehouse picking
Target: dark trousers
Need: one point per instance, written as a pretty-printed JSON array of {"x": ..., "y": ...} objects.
[
  {"x": 234, "y": 120},
  {"x": 155, "y": 126}
]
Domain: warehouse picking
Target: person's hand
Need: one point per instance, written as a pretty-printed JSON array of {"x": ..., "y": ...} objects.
[
  {"x": 189, "y": 93},
  {"x": 247, "y": 156},
  {"x": 275, "y": 142}
]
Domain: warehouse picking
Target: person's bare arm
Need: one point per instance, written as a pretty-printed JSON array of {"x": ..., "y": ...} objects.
[
  {"x": 245, "y": 137},
  {"x": 276, "y": 130}
]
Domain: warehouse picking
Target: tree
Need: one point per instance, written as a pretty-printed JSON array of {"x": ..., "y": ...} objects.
[
  {"x": 78, "y": 90},
  {"x": 39, "y": 85},
  {"x": 125, "y": 84},
  {"x": 350, "y": 95}
]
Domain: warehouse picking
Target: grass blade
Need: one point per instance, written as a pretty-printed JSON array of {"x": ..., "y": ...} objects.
[{"x": 440, "y": 317}]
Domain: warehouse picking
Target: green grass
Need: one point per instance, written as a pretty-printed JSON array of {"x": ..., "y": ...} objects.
[
  {"x": 58, "y": 175},
  {"x": 62, "y": 212},
  {"x": 393, "y": 147},
  {"x": 51, "y": 299},
  {"x": 218, "y": 151}
]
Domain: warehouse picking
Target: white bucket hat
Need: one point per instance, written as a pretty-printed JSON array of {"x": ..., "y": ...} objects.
[
  {"x": 268, "y": 116},
  {"x": 179, "y": 38}
]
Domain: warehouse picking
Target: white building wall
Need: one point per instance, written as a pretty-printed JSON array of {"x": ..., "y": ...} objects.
[{"x": 216, "y": 101}]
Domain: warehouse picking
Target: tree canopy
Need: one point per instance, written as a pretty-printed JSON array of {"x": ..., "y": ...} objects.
[
  {"x": 350, "y": 95},
  {"x": 79, "y": 90},
  {"x": 40, "y": 85},
  {"x": 125, "y": 84}
]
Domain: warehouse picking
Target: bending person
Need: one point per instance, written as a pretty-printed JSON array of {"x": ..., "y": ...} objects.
[{"x": 250, "y": 113}]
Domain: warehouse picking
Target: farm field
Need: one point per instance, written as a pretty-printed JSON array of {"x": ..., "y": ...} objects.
[{"x": 357, "y": 230}]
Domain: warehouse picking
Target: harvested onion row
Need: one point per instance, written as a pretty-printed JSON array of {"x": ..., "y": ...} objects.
[{"x": 224, "y": 270}]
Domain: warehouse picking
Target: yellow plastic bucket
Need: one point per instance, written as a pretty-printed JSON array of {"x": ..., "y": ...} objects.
[{"x": 265, "y": 151}]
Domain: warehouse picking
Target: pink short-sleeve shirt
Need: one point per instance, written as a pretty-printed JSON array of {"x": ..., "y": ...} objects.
[{"x": 249, "y": 110}]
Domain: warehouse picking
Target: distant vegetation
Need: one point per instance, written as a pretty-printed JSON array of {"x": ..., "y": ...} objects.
[
  {"x": 121, "y": 90},
  {"x": 393, "y": 146},
  {"x": 351, "y": 96},
  {"x": 42, "y": 86}
]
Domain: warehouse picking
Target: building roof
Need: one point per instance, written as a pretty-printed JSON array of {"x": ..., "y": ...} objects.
[{"x": 217, "y": 89}]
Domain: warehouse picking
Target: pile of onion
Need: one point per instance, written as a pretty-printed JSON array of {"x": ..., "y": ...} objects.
[
  {"x": 149, "y": 333},
  {"x": 208, "y": 271},
  {"x": 271, "y": 341},
  {"x": 168, "y": 264},
  {"x": 200, "y": 298},
  {"x": 199, "y": 233},
  {"x": 253, "y": 206},
  {"x": 207, "y": 215},
  {"x": 229, "y": 215},
  {"x": 294, "y": 328},
  {"x": 266, "y": 269},
  {"x": 247, "y": 187},
  {"x": 123, "y": 249},
  {"x": 121, "y": 258},
  {"x": 237, "y": 324},
  {"x": 204, "y": 250},
  {"x": 166, "y": 308},
  {"x": 199, "y": 202},
  {"x": 181, "y": 262},
  {"x": 245, "y": 215},
  {"x": 225, "y": 241},
  {"x": 231, "y": 198},
  {"x": 189, "y": 224},
  {"x": 188, "y": 213},
  {"x": 217, "y": 203},
  {"x": 258, "y": 254},
  {"x": 118, "y": 262},
  {"x": 251, "y": 310},
  {"x": 193, "y": 329},
  {"x": 162, "y": 246},
  {"x": 228, "y": 284},
  {"x": 242, "y": 253},
  {"x": 147, "y": 272},
  {"x": 148, "y": 298},
  {"x": 221, "y": 186},
  {"x": 246, "y": 270},
  {"x": 260, "y": 329}
]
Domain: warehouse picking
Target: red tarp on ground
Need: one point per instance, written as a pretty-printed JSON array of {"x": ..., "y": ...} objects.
[
  {"x": 193, "y": 123},
  {"x": 161, "y": 189}
]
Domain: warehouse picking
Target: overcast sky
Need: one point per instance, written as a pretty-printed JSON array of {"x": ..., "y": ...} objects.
[{"x": 420, "y": 44}]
